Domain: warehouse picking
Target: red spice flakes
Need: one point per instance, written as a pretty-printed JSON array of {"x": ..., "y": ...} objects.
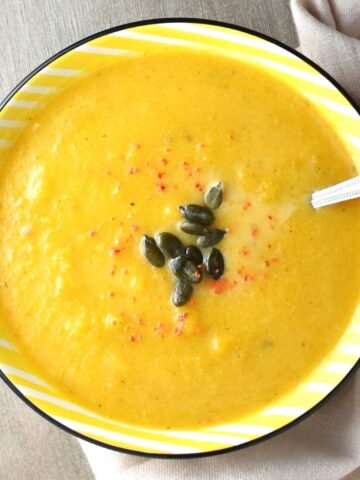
[
  {"x": 201, "y": 146},
  {"x": 134, "y": 228},
  {"x": 160, "y": 175},
  {"x": 248, "y": 278},
  {"x": 219, "y": 286},
  {"x": 244, "y": 252},
  {"x": 128, "y": 238},
  {"x": 181, "y": 317},
  {"x": 133, "y": 170},
  {"x": 185, "y": 165},
  {"x": 135, "y": 338},
  {"x": 247, "y": 205},
  {"x": 276, "y": 260},
  {"x": 161, "y": 187},
  {"x": 137, "y": 146},
  {"x": 111, "y": 294},
  {"x": 92, "y": 233},
  {"x": 159, "y": 333},
  {"x": 139, "y": 321},
  {"x": 192, "y": 302},
  {"x": 267, "y": 263},
  {"x": 269, "y": 246},
  {"x": 115, "y": 250},
  {"x": 158, "y": 326},
  {"x": 160, "y": 329},
  {"x": 234, "y": 282},
  {"x": 164, "y": 161},
  {"x": 241, "y": 270},
  {"x": 178, "y": 331},
  {"x": 254, "y": 232},
  {"x": 198, "y": 186},
  {"x": 270, "y": 217}
]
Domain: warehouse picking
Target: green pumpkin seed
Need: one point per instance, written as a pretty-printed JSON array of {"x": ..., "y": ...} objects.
[
  {"x": 214, "y": 196},
  {"x": 185, "y": 270},
  {"x": 215, "y": 264},
  {"x": 211, "y": 238},
  {"x": 193, "y": 228},
  {"x": 197, "y": 214},
  {"x": 170, "y": 245},
  {"x": 151, "y": 252},
  {"x": 194, "y": 254},
  {"x": 182, "y": 293}
]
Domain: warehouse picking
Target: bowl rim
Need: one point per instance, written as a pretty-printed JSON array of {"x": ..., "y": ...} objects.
[{"x": 230, "y": 26}]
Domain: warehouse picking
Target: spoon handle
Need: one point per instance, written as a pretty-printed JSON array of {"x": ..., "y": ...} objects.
[{"x": 337, "y": 193}]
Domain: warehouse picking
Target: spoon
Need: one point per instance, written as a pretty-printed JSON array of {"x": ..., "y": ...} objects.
[{"x": 337, "y": 193}]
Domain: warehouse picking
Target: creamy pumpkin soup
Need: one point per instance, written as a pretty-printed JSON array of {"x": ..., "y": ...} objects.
[{"x": 110, "y": 160}]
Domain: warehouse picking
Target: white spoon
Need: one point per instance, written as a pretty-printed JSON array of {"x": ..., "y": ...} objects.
[{"x": 337, "y": 193}]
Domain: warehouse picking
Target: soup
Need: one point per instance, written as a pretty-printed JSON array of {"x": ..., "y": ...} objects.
[{"x": 111, "y": 159}]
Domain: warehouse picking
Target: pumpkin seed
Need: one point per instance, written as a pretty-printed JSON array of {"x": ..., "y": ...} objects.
[
  {"x": 193, "y": 228},
  {"x": 194, "y": 254},
  {"x": 215, "y": 264},
  {"x": 182, "y": 293},
  {"x": 197, "y": 214},
  {"x": 170, "y": 245},
  {"x": 211, "y": 238},
  {"x": 214, "y": 196},
  {"x": 184, "y": 269},
  {"x": 151, "y": 251}
]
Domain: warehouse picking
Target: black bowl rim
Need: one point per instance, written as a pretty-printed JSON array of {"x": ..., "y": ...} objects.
[{"x": 327, "y": 397}]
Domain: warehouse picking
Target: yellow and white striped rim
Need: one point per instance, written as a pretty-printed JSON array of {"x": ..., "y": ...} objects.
[{"x": 137, "y": 40}]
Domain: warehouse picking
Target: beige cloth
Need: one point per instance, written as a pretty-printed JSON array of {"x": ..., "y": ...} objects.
[
  {"x": 329, "y": 34},
  {"x": 327, "y": 445}
]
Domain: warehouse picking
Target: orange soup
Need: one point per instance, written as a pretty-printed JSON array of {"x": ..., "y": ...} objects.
[{"x": 110, "y": 160}]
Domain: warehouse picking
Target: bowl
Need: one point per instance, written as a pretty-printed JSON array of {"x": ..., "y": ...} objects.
[{"x": 103, "y": 49}]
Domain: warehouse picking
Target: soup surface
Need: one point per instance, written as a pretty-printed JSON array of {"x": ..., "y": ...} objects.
[{"x": 111, "y": 159}]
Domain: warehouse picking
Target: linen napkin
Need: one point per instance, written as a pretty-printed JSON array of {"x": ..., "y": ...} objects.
[
  {"x": 326, "y": 446},
  {"x": 329, "y": 34}
]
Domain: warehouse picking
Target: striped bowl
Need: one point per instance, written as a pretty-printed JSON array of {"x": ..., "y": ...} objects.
[{"x": 101, "y": 50}]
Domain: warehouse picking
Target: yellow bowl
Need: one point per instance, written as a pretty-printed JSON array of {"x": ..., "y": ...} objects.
[{"x": 97, "y": 52}]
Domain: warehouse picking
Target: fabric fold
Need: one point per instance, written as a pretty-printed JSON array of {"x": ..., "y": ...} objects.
[{"x": 329, "y": 34}]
